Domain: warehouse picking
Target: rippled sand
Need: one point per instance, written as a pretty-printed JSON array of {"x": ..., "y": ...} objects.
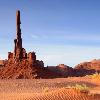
[{"x": 48, "y": 89}]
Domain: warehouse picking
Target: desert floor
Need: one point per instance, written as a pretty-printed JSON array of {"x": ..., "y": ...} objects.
[{"x": 50, "y": 89}]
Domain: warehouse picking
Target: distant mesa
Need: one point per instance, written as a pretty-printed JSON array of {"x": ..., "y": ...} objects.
[
  {"x": 62, "y": 70},
  {"x": 87, "y": 68},
  {"x": 94, "y": 64}
]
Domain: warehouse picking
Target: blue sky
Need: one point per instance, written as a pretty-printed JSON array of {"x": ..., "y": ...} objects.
[{"x": 59, "y": 31}]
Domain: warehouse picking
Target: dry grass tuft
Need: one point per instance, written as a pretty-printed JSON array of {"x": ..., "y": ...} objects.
[
  {"x": 80, "y": 87},
  {"x": 45, "y": 89},
  {"x": 95, "y": 76}
]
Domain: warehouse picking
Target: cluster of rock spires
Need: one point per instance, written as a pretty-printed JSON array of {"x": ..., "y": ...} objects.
[
  {"x": 23, "y": 65},
  {"x": 19, "y": 63}
]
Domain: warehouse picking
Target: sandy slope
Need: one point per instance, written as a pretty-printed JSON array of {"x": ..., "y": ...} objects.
[
  {"x": 48, "y": 89},
  {"x": 62, "y": 94}
]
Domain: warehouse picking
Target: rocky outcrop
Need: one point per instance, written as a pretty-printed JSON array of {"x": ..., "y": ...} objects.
[
  {"x": 19, "y": 52},
  {"x": 21, "y": 64},
  {"x": 86, "y": 68},
  {"x": 24, "y": 70},
  {"x": 92, "y": 65},
  {"x": 1, "y": 62},
  {"x": 62, "y": 70}
]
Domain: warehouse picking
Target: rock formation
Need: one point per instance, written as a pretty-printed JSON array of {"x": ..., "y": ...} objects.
[
  {"x": 62, "y": 70},
  {"x": 21, "y": 64},
  {"x": 19, "y": 52},
  {"x": 1, "y": 63},
  {"x": 88, "y": 67},
  {"x": 94, "y": 64}
]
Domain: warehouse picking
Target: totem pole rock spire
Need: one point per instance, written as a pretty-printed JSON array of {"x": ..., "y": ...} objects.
[
  {"x": 18, "y": 22},
  {"x": 21, "y": 64},
  {"x": 18, "y": 40}
]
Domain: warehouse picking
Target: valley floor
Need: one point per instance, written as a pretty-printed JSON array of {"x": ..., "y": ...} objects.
[{"x": 71, "y": 88}]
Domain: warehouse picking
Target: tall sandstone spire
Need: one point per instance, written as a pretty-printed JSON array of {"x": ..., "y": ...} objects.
[
  {"x": 20, "y": 53},
  {"x": 18, "y": 40},
  {"x": 21, "y": 64}
]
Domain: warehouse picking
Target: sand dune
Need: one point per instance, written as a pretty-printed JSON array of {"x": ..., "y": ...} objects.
[{"x": 49, "y": 89}]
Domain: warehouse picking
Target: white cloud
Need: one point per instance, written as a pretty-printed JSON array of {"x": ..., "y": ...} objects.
[
  {"x": 39, "y": 36},
  {"x": 64, "y": 35},
  {"x": 34, "y": 36}
]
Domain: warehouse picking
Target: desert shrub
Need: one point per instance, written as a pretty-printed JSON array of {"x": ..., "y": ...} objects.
[
  {"x": 96, "y": 75},
  {"x": 45, "y": 89}
]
